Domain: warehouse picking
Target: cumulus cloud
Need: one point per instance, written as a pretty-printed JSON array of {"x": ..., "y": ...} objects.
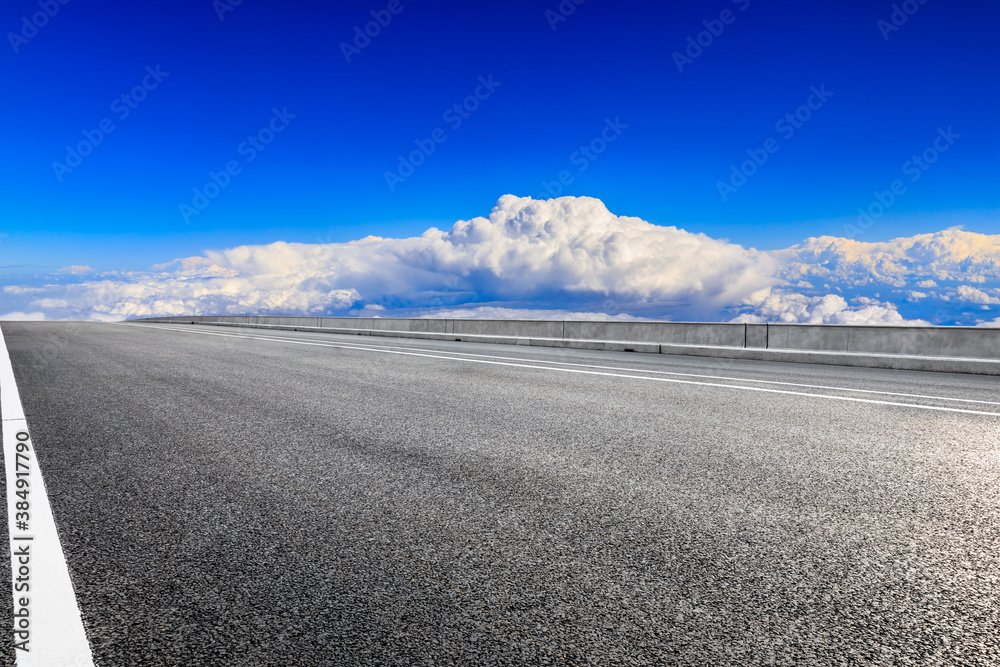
[
  {"x": 923, "y": 260},
  {"x": 951, "y": 261},
  {"x": 565, "y": 258},
  {"x": 780, "y": 306},
  {"x": 559, "y": 253},
  {"x": 973, "y": 295},
  {"x": 567, "y": 251},
  {"x": 18, "y": 316}
]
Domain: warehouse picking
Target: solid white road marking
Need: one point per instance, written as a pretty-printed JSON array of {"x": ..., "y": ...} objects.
[
  {"x": 51, "y": 624},
  {"x": 383, "y": 350}
]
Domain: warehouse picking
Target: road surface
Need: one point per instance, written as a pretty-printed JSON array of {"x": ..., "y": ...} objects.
[{"x": 243, "y": 497}]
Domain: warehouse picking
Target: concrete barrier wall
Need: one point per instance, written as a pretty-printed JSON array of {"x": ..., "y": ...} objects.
[
  {"x": 346, "y": 322},
  {"x": 756, "y": 336},
  {"x": 282, "y": 321},
  {"x": 515, "y": 328},
  {"x": 957, "y": 342},
  {"x": 968, "y": 342},
  {"x": 410, "y": 325},
  {"x": 679, "y": 333}
]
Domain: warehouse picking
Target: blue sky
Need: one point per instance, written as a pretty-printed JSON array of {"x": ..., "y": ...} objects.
[{"x": 223, "y": 71}]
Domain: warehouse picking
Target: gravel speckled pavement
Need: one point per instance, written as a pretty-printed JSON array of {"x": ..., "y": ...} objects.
[{"x": 251, "y": 500}]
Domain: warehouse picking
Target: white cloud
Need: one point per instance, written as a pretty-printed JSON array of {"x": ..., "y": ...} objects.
[
  {"x": 780, "y": 306},
  {"x": 75, "y": 270},
  {"x": 973, "y": 295},
  {"x": 18, "y": 316},
  {"x": 558, "y": 258},
  {"x": 50, "y": 303},
  {"x": 562, "y": 252},
  {"x": 570, "y": 248},
  {"x": 949, "y": 255}
]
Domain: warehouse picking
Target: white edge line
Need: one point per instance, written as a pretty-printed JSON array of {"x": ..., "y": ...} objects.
[
  {"x": 54, "y": 628},
  {"x": 786, "y": 392}
]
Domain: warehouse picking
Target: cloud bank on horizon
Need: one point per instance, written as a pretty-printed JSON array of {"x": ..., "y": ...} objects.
[{"x": 559, "y": 258}]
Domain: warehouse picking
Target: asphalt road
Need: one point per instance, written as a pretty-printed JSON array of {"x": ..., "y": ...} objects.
[{"x": 230, "y": 497}]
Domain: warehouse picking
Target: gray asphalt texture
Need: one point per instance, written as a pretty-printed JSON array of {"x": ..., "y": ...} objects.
[{"x": 236, "y": 501}]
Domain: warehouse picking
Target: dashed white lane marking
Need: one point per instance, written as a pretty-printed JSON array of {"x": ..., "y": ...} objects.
[
  {"x": 536, "y": 366},
  {"x": 48, "y": 630}
]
